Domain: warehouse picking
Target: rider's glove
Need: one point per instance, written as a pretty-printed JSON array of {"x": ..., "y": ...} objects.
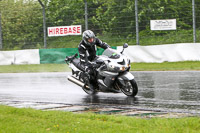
[
  {"x": 93, "y": 65},
  {"x": 88, "y": 70}
]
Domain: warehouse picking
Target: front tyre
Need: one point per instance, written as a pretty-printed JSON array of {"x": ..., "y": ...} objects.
[{"x": 129, "y": 87}]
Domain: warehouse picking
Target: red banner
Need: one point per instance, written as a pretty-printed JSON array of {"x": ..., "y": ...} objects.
[{"x": 64, "y": 30}]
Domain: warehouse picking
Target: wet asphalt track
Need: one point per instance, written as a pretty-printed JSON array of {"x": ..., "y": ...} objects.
[{"x": 162, "y": 91}]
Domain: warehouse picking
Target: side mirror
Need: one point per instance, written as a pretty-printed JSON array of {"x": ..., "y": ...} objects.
[{"x": 125, "y": 45}]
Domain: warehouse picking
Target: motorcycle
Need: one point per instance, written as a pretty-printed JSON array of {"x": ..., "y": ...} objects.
[{"x": 111, "y": 73}]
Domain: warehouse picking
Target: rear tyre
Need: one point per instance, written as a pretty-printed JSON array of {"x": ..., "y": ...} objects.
[{"x": 129, "y": 87}]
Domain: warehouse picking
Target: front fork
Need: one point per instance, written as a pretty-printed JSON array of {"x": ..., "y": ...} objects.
[{"x": 125, "y": 76}]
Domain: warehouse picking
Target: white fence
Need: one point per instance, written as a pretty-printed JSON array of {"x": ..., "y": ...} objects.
[
  {"x": 162, "y": 53},
  {"x": 148, "y": 54},
  {"x": 19, "y": 57}
]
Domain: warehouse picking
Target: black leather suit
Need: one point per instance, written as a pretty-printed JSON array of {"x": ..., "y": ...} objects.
[{"x": 88, "y": 52}]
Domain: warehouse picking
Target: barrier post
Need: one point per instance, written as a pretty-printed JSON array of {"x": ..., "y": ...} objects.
[
  {"x": 44, "y": 24},
  {"x": 194, "y": 21},
  {"x": 1, "y": 38},
  {"x": 86, "y": 15},
  {"x": 136, "y": 22}
]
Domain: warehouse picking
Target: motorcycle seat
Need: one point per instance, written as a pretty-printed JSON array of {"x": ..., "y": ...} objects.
[{"x": 77, "y": 63}]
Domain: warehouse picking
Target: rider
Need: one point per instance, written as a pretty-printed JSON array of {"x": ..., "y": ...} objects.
[{"x": 87, "y": 51}]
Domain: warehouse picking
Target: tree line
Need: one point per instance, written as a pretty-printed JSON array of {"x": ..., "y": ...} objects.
[{"x": 22, "y": 20}]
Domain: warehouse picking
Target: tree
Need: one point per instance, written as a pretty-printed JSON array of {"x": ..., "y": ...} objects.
[
  {"x": 21, "y": 23},
  {"x": 180, "y": 10},
  {"x": 65, "y": 12}
]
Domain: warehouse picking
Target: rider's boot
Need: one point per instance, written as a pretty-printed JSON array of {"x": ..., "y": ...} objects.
[
  {"x": 89, "y": 81},
  {"x": 92, "y": 88}
]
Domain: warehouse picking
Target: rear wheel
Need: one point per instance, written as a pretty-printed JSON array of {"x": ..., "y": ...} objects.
[{"x": 129, "y": 87}]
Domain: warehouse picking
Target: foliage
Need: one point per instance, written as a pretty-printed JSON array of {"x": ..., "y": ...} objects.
[
  {"x": 22, "y": 20},
  {"x": 182, "y": 36},
  {"x": 21, "y": 23},
  {"x": 111, "y": 17},
  {"x": 65, "y": 12},
  {"x": 162, "y": 9}
]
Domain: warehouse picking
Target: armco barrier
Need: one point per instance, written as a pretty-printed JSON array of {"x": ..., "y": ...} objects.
[
  {"x": 162, "y": 53},
  {"x": 19, "y": 57},
  {"x": 27, "y": 57},
  {"x": 6, "y": 57},
  {"x": 156, "y": 53}
]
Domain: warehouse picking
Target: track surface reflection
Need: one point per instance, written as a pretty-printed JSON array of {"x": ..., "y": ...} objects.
[{"x": 170, "y": 90}]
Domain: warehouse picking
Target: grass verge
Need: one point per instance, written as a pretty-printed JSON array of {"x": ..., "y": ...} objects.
[
  {"x": 166, "y": 66},
  {"x": 14, "y": 120},
  {"x": 34, "y": 68}
]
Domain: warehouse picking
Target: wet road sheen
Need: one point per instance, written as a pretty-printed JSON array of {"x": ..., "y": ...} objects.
[{"x": 165, "y": 91}]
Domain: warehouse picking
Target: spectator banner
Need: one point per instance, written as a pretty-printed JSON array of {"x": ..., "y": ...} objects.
[
  {"x": 64, "y": 30},
  {"x": 167, "y": 24}
]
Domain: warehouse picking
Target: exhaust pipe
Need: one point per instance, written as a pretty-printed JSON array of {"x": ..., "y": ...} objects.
[{"x": 76, "y": 81}]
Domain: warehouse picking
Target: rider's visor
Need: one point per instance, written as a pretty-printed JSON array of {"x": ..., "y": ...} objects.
[{"x": 90, "y": 40}]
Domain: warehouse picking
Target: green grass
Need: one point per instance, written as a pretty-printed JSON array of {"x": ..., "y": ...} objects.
[
  {"x": 14, "y": 120},
  {"x": 166, "y": 66},
  {"x": 34, "y": 68}
]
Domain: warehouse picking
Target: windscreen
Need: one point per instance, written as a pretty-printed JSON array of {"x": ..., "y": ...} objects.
[{"x": 111, "y": 53}]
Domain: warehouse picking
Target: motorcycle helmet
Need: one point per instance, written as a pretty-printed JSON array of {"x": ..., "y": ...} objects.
[{"x": 89, "y": 37}]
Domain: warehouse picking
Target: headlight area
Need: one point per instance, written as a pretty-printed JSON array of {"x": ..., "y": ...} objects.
[
  {"x": 113, "y": 68},
  {"x": 117, "y": 68},
  {"x": 123, "y": 68}
]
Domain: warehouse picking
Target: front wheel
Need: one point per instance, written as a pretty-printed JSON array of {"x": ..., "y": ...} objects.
[{"x": 129, "y": 87}]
